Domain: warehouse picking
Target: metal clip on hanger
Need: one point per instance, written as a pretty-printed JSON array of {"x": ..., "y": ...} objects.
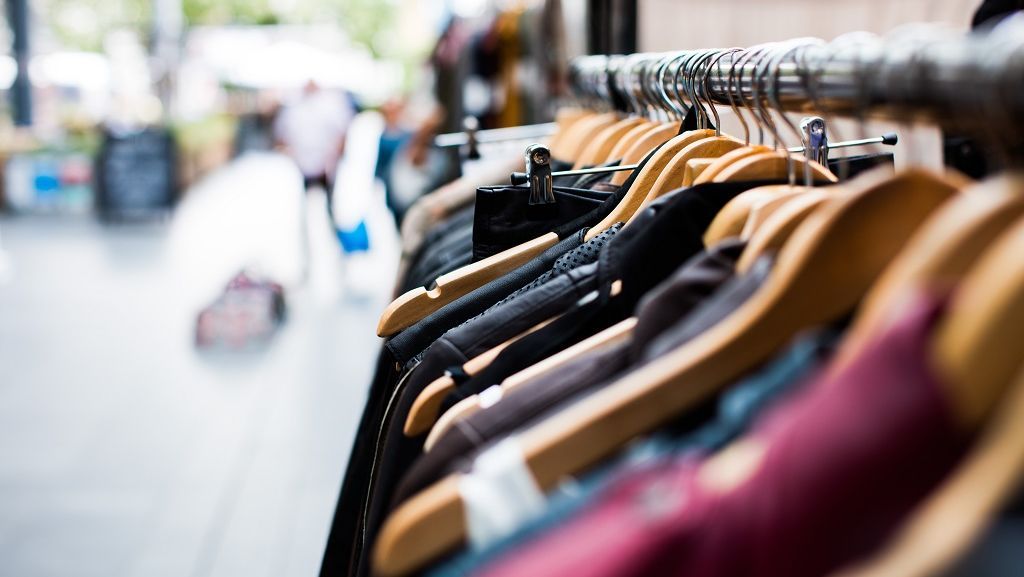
[
  {"x": 538, "y": 159},
  {"x": 887, "y": 139},
  {"x": 538, "y": 174},
  {"x": 816, "y": 139},
  {"x": 471, "y": 126}
]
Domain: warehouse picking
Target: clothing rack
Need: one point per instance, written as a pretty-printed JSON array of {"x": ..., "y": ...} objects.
[{"x": 924, "y": 74}]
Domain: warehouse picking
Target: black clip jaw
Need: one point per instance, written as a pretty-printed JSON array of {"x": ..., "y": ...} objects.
[
  {"x": 538, "y": 175},
  {"x": 471, "y": 125}
]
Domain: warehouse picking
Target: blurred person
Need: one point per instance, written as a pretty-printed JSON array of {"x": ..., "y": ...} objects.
[
  {"x": 311, "y": 130},
  {"x": 393, "y": 138}
]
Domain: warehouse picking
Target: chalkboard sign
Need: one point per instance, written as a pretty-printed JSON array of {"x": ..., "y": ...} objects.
[{"x": 136, "y": 173}]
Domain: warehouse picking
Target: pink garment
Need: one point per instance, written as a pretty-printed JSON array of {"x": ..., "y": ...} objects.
[{"x": 845, "y": 460}]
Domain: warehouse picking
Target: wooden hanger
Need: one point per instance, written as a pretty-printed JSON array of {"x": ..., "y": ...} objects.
[
  {"x": 650, "y": 140},
  {"x": 470, "y": 405},
  {"x": 628, "y": 140},
  {"x": 719, "y": 164},
  {"x": 419, "y": 302},
  {"x": 977, "y": 345},
  {"x": 771, "y": 166},
  {"x": 670, "y": 178},
  {"x": 763, "y": 209},
  {"x": 734, "y": 216},
  {"x": 601, "y": 146},
  {"x": 648, "y": 175},
  {"x": 730, "y": 220},
  {"x": 776, "y": 230},
  {"x": 938, "y": 255},
  {"x": 564, "y": 119},
  {"x": 947, "y": 247},
  {"x": 694, "y": 168},
  {"x": 427, "y": 405},
  {"x": 581, "y": 133},
  {"x": 820, "y": 274}
]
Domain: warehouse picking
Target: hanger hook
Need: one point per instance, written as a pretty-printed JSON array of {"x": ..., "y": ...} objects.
[
  {"x": 756, "y": 55},
  {"x": 677, "y": 80},
  {"x": 706, "y": 85},
  {"x": 763, "y": 70},
  {"x": 775, "y": 65},
  {"x": 730, "y": 88},
  {"x": 699, "y": 89},
  {"x": 670, "y": 104},
  {"x": 674, "y": 98},
  {"x": 651, "y": 63}
]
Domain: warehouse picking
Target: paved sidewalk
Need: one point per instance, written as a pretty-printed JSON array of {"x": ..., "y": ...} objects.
[{"x": 123, "y": 451}]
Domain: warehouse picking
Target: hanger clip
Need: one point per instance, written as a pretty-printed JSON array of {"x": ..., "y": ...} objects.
[
  {"x": 538, "y": 174},
  {"x": 815, "y": 139},
  {"x": 471, "y": 125}
]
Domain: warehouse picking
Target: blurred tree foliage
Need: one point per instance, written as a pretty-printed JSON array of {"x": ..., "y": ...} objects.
[{"x": 82, "y": 24}]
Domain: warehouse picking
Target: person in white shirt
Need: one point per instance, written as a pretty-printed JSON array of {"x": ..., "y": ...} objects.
[{"x": 311, "y": 130}]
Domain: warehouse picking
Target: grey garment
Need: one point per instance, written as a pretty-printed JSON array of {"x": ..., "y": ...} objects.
[
  {"x": 727, "y": 299},
  {"x": 408, "y": 344},
  {"x": 448, "y": 247},
  {"x": 468, "y": 340},
  {"x": 676, "y": 298},
  {"x": 692, "y": 284},
  {"x": 501, "y": 323},
  {"x": 584, "y": 254}
]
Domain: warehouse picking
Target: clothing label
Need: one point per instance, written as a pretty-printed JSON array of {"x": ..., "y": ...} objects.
[{"x": 499, "y": 494}]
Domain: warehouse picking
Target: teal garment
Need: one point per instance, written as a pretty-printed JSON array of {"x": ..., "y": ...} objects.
[{"x": 737, "y": 409}]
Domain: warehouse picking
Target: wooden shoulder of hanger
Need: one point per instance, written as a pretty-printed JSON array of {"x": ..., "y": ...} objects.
[
  {"x": 466, "y": 407},
  {"x": 628, "y": 140},
  {"x": 764, "y": 208},
  {"x": 821, "y": 273},
  {"x": 730, "y": 220},
  {"x": 582, "y": 133},
  {"x": 634, "y": 197},
  {"x": 565, "y": 118},
  {"x": 938, "y": 255},
  {"x": 597, "y": 150},
  {"x": 748, "y": 211},
  {"x": 425, "y": 409},
  {"x": 672, "y": 176},
  {"x": 719, "y": 164},
  {"x": 776, "y": 230},
  {"x": 565, "y": 139},
  {"x": 977, "y": 348},
  {"x": 769, "y": 165},
  {"x": 418, "y": 303},
  {"x": 654, "y": 137}
]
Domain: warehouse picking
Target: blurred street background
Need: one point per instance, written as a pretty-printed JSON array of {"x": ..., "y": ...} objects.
[{"x": 150, "y": 151}]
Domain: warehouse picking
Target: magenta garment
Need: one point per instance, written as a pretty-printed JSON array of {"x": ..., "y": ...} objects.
[{"x": 845, "y": 460}]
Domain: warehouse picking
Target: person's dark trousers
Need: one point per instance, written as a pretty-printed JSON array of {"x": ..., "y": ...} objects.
[{"x": 323, "y": 181}]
